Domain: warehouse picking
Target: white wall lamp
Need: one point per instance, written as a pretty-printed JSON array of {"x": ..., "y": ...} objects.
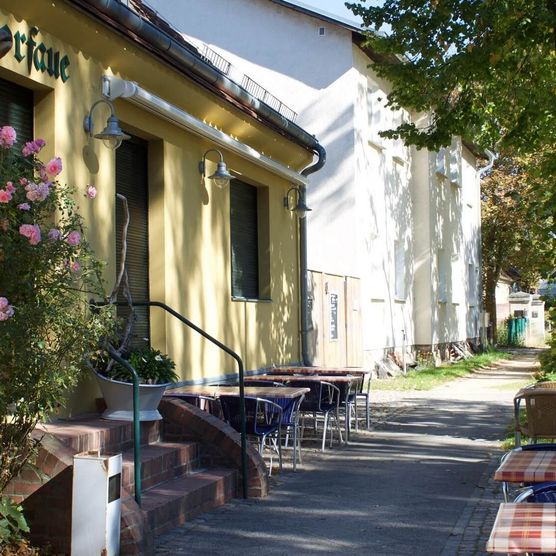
[
  {"x": 112, "y": 135},
  {"x": 221, "y": 178},
  {"x": 300, "y": 207}
]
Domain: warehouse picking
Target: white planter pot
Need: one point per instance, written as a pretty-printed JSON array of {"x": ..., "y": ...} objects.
[{"x": 119, "y": 399}]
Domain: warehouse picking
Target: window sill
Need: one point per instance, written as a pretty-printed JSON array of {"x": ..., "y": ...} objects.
[{"x": 252, "y": 300}]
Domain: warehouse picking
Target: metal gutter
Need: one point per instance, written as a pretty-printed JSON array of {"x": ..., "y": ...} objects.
[{"x": 114, "y": 87}]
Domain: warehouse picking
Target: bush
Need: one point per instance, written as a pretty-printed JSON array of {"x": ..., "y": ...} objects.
[
  {"x": 47, "y": 274},
  {"x": 152, "y": 366},
  {"x": 548, "y": 358}
]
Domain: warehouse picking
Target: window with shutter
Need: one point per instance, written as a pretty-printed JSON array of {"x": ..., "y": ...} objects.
[
  {"x": 16, "y": 110},
  {"x": 244, "y": 240},
  {"x": 250, "y": 241},
  {"x": 132, "y": 182}
]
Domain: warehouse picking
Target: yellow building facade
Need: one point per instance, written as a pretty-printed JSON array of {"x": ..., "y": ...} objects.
[{"x": 62, "y": 56}]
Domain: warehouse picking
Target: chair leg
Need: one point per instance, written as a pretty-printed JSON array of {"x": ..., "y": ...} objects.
[
  {"x": 368, "y": 412},
  {"x": 279, "y": 432},
  {"x": 338, "y": 426},
  {"x": 356, "y": 416},
  {"x": 324, "y": 431}
]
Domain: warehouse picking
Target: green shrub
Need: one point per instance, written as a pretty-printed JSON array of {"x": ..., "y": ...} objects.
[{"x": 152, "y": 366}]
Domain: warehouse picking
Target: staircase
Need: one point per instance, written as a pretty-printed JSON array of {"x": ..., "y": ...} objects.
[{"x": 180, "y": 477}]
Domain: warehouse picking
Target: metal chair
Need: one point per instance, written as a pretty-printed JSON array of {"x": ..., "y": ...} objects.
[
  {"x": 323, "y": 398},
  {"x": 290, "y": 424},
  {"x": 364, "y": 393},
  {"x": 263, "y": 420},
  {"x": 540, "y": 407},
  {"x": 539, "y": 492}
]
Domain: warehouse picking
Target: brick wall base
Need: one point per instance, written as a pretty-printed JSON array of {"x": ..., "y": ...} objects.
[{"x": 221, "y": 443}]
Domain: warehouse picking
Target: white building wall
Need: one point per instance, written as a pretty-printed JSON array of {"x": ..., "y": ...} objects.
[
  {"x": 377, "y": 206},
  {"x": 447, "y": 255},
  {"x": 385, "y": 214}
]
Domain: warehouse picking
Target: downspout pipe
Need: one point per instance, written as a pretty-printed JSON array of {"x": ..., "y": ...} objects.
[{"x": 303, "y": 271}]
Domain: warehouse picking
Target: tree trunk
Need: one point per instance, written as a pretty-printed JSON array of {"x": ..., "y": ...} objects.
[{"x": 492, "y": 276}]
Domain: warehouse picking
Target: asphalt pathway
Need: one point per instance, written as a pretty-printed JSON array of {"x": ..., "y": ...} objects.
[{"x": 418, "y": 483}]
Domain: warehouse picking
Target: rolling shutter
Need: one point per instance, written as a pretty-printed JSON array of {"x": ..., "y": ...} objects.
[
  {"x": 244, "y": 240},
  {"x": 132, "y": 182},
  {"x": 16, "y": 110}
]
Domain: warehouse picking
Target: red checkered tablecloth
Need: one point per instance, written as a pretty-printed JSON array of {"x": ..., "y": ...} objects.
[
  {"x": 523, "y": 528},
  {"x": 530, "y": 466}
]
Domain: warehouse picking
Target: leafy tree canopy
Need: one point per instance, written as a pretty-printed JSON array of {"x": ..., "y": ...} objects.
[{"x": 484, "y": 69}]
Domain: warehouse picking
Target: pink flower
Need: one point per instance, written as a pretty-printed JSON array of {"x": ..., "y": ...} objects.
[
  {"x": 8, "y": 136},
  {"x": 24, "y": 206},
  {"x": 91, "y": 191},
  {"x": 10, "y": 187},
  {"x": 75, "y": 266},
  {"x": 73, "y": 238},
  {"x": 23, "y": 181},
  {"x": 5, "y": 196},
  {"x": 33, "y": 147},
  {"x": 6, "y": 310},
  {"x": 37, "y": 192},
  {"x": 32, "y": 232},
  {"x": 54, "y": 234},
  {"x": 54, "y": 167}
]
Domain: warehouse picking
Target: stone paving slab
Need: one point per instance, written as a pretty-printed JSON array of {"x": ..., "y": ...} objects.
[{"x": 418, "y": 483}]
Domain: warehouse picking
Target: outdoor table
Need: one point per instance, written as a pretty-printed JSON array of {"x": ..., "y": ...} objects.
[
  {"x": 527, "y": 466},
  {"x": 318, "y": 378},
  {"x": 333, "y": 379},
  {"x": 521, "y": 528},
  {"x": 267, "y": 392},
  {"x": 323, "y": 371}
]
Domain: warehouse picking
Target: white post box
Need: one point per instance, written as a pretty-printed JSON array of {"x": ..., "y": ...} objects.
[{"x": 96, "y": 507}]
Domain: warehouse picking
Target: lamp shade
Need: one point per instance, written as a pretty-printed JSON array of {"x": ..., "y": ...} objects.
[
  {"x": 112, "y": 135},
  {"x": 221, "y": 177}
]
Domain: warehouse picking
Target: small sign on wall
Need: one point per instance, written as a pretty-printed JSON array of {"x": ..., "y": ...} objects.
[{"x": 333, "y": 316}]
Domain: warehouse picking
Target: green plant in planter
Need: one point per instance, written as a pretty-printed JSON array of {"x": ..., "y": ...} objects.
[{"x": 152, "y": 366}]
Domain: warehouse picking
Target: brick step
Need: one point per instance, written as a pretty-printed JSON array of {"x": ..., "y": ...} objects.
[
  {"x": 161, "y": 462},
  {"x": 176, "y": 501},
  {"x": 94, "y": 433}
]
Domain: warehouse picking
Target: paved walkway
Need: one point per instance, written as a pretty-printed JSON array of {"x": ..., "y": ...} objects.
[{"x": 418, "y": 483}]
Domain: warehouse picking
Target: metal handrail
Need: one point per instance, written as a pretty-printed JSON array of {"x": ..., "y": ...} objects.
[
  {"x": 224, "y": 348},
  {"x": 136, "y": 423}
]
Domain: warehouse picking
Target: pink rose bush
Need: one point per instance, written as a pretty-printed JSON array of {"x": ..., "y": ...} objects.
[
  {"x": 91, "y": 191},
  {"x": 53, "y": 167},
  {"x": 6, "y": 310},
  {"x": 32, "y": 232},
  {"x": 74, "y": 238},
  {"x": 8, "y": 137},
  {"x": 48, "y": 274}
]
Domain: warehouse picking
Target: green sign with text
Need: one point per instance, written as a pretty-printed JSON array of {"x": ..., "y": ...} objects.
[{"x": 36, "y": 54}]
